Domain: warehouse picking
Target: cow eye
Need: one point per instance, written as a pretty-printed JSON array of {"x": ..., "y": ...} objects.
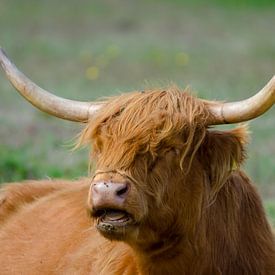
[
  {"x": 177, "y": 151},
  {"x": 152, "y": 164},
  {"x": 172, "y": 150}
]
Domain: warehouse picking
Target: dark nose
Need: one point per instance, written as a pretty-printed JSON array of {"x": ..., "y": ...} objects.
[{"x": 108, "y": 194}]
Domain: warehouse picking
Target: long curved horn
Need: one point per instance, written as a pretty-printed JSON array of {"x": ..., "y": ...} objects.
[
  {"x": 45, "y": 101},
  {"x": 239, "y": 111}
]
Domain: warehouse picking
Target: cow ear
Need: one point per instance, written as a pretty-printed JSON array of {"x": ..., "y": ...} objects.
[{"x": 221, "y": 153}]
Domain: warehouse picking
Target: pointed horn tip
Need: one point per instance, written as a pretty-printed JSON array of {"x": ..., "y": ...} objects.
[
  {"x": 271, "y": 85},
  {"x": 2, "y": 51},
  {"x": 3, "y": 57},
  {"x": 272, "y": 80}
]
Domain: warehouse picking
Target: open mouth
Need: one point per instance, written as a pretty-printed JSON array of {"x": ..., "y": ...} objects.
[{"x": 112, "y": 220}]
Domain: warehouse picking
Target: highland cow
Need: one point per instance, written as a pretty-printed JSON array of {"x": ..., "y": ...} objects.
[{"x": 168, "y": 195}]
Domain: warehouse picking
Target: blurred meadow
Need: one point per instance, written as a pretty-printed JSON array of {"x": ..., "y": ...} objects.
[{"x": 85, "y": 50}]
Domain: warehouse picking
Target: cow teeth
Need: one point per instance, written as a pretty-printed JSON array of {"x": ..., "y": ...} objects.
[{"x": 114, "y": 215}]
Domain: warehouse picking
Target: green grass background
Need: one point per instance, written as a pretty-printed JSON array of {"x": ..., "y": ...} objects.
[{"x": 84, "y": 50}]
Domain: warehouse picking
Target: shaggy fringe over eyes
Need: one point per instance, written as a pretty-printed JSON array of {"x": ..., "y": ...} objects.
[{"x": 146, "y": 122}]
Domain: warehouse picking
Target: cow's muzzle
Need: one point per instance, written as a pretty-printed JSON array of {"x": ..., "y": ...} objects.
[
  {"x": 106, "y": 194},
  {"x": 107, "y": 201}
]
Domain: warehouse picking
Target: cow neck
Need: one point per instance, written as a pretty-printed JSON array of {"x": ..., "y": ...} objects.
[{"x": 173, "y": 255}]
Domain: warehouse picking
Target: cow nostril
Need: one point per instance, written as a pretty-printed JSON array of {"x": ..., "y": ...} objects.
[
  {"x": 106, "y": 184},
  {"x": 122, "y": 191}
]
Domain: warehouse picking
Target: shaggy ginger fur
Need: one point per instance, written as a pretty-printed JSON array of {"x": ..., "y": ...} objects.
[
  {"x": 147, "y": 122},
  {"x": 196, "y": 212}
]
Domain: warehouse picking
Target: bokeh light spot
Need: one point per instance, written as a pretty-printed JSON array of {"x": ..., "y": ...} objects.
[{"x": 92, "y": 72}]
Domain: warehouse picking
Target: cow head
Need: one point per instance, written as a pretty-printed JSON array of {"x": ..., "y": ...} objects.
[{"x": 158, "y": 165}]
